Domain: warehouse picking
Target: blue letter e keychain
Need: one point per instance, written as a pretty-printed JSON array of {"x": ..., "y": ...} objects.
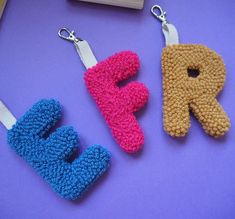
[{"x": 49, "y": 156}]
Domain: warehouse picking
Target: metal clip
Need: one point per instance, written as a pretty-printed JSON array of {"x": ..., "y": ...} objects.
[
  {"x": 68, "y": 35},
  {"x": 161, "y": 16},
  {"x": 169, "y": 30},
  {"x": 82, "y": 47}
]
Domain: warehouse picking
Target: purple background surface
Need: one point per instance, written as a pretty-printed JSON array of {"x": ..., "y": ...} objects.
[{"x": 191, "y": 178}]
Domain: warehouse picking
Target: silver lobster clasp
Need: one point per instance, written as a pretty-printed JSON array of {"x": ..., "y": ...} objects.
[
  {"x": 66, "y": 34},
  {"x": 161, "y": 16}
]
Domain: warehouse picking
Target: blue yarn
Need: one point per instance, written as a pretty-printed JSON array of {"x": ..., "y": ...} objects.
[{"x": 48, "y": 156}]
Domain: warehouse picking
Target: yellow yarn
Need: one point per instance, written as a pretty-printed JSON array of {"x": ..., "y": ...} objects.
[{"x": 183, "y": 93}]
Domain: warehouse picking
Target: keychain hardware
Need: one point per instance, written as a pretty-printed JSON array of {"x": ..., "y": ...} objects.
[
  {"x": 70, "y": 35},
  {"x": 82, "y": 47},
  {"x": 169, "y": 30},
  {"x": 161, "y": 16}
]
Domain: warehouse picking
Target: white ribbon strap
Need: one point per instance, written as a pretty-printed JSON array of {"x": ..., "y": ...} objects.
[
  {"x": 170, "y": 34},
  {"x": 82, "y": 47},
  {"x": 6, "y": 117},
  {"x": 85, "y": 53},
  {"x": 169, "y": 30}
]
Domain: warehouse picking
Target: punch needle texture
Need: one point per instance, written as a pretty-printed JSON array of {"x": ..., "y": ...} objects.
[
  {"x": 118, "y": 104},
  {"x": 184, "y": 92},
  {"x": 49, "y": 155}
]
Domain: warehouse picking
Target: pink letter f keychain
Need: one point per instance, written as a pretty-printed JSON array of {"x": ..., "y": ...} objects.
[{"x": 117, "y": 105}]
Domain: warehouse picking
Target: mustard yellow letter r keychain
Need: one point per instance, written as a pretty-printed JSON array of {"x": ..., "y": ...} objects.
[{"x": 193, "y": 75}]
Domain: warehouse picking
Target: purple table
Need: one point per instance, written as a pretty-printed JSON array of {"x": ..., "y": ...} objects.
[{"x": 171, "y": 179}]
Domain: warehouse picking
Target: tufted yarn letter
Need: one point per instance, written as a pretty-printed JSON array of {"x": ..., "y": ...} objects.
[
  {"x": 183, "y": 92},
  {"x": 118, "y": 104},
  {"x": 48, "y": 156}
]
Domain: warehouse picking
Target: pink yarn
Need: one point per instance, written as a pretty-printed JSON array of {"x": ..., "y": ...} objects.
[{"x": 118, "y": 104}]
